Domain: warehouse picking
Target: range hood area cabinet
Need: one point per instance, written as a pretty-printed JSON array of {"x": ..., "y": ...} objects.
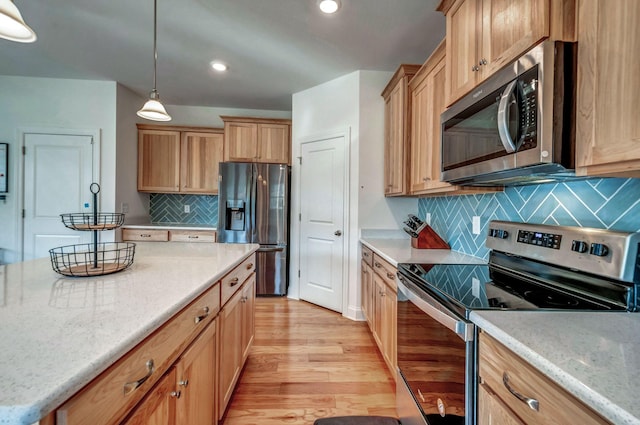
[
  {"x": 174, "y": 159},
  {"x": 607, "y": 125},
  {"x": 485, "y": 35},
  {"x": 248, "y": 139}
]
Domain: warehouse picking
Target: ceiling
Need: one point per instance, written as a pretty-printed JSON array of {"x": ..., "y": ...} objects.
[{"x": 273, "y": 48}]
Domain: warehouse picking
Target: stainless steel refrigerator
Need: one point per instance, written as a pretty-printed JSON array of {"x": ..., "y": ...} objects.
[{"x": 253, "y": 207}]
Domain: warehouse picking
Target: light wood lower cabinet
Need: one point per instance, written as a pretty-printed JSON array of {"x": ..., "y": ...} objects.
[
  {"x": 499, "y": 404},
  {"x": 161, "y": 235},
  {"x": 184, "y": 373},
  {"x": 236, "y": 338},
  {"x": 183, "y": 396},
  {"x": 379, "y": 291}
]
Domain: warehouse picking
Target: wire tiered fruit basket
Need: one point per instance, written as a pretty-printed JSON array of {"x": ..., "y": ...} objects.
[{"x": 94, "y": 259}]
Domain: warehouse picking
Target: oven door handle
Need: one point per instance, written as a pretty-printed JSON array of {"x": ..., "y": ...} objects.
[{"x": 428, "y": 304}]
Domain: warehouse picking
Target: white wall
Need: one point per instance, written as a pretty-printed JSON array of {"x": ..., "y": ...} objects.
[
  {"x": 43, "y": 103},
  {"x": 350, "y": 104}
]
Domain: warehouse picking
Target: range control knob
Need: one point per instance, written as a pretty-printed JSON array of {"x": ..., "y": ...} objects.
[
  {"x": 599, "y": 249},
  {"x": 579, "y": 246}
]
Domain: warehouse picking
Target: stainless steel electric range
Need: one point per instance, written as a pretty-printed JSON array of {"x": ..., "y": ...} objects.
[{"x": 531, "y": 267}]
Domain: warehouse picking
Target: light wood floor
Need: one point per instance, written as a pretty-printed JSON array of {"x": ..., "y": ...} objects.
[{"x": 307, "y": 363}]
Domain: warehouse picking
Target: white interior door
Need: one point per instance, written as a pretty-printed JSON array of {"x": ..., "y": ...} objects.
[
  {"x": 58, "y": 170},
  {"x": 322, "y": 206}
]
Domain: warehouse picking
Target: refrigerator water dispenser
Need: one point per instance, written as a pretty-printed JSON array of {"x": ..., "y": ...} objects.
[{"x": 235, "y": 215}]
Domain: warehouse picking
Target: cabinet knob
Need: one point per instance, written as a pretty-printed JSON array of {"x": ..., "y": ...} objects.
[
  {"x": 425, "y": 179},
  {"x": 175, "y": 394},
  {"x": 184, "y": 383},
  {"x": 390, "y": 276},
  {"x": 201, "y": 317},
  {"x": 475, "y": 68},
  {"x": 234, "y": 281},
  {"x": 483, "y": 61},
  {"x": 249, "y": 266}
]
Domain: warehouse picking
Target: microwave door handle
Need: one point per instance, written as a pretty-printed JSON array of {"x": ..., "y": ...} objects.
[{"x": 503, "y": 117}]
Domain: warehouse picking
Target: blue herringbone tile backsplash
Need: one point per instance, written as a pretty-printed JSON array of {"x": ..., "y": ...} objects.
[
  {"x": 169, "y": 208},
  {"x": 601, "y": 203}
]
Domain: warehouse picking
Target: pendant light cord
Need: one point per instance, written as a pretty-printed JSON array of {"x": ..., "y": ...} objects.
[{"x": 155, "y": 48}]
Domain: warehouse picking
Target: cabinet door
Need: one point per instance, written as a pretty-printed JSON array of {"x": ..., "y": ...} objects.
[
  {"x": 195, "y": 374},
  {"x": 491, "y": 410},
  {"x": 240, "y": 141},
  {"x": 158, "y": 161},
  {"x": 607, "y": 125},
  {"x": 427, "y": 105},
  {"x": 394, "y": 170},
  {"x": 510, "y": 28},
  {"x": 366, "y": 277},
  {"x": 273, "y": 143},
  {"x": 378, "y": 305},
  {"x": 200, "y": 157},
  {"x": 388, "y": 328},
  {"x": 230, "y": 354},
  {"x": 158, "y": 407},
  {"x": 463, "y": 33},
  {"x": 248, "y": 315}
]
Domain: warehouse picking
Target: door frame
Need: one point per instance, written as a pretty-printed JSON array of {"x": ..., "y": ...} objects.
[
  {"x": 345, "y": 134},
  {"x": 95, "y": 134}
]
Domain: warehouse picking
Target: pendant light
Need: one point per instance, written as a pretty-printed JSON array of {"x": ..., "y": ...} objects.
[
  {"x": 153, "y": 109},
  {"x": 12, "y": 26}
]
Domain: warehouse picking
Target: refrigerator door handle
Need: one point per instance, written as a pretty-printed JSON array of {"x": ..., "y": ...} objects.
[{"x": 276, "y": 249}]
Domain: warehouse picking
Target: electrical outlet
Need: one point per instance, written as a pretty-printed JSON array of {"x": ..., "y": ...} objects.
[
  {"x": 427, "y": 219},
  {"x": 124, "y": 208},
  {"x": 476, "y": 225},
  {"x": 187, "y": 209}
]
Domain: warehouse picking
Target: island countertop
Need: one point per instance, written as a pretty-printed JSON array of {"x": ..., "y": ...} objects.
[{"x": 58, "y": 333}]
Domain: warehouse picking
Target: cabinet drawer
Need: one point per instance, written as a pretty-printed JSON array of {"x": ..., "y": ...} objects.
[
  {"x": 109, "y": 397},
  {"x": 367, "y": 255},
  {"x": 149, "y": 235},
  {"x": 556, "y": 406},
  {"x": 386, "y": 271},
  {"x": 234, "y": 279},
  {"x": 192, "y": 236}
]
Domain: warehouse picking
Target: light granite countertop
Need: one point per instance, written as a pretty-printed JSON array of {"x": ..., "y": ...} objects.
[
  {"x": 59, "y": 333},
  {"x": 594, "y": 356},
  {"x": 397, "y": 250}
]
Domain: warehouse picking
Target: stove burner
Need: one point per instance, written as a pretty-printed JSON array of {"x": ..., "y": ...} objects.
[{"x": 549, "y": 299}]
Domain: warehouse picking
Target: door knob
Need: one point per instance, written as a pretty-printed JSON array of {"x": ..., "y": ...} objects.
[{"x": 337, "y": 233}]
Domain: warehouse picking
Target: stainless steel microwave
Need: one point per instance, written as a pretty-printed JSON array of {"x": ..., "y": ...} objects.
[{"x": 518, "y": 126}]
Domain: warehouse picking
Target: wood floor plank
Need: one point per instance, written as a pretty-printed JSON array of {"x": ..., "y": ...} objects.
[{"x": 308, "y": 363}]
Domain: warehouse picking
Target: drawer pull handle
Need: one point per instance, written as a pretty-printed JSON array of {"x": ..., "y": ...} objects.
[
  {"x": 200, "y": 318},
  {"x": 421, "y": 396},
  {"x": 249, "y": 266},
  {"x": 129, "y": 387},
  {"x": 531, "y": 402},
  {"x": 378, "y": 265},
  {"x": 390, "y": 276},
  {"x": 234, "y": 281},
  {"x": 145, "y": 235},
  {"x": 366, "y": 254},
  {"x": 175, "y": 394},
  {"x": 193, "y": 237}
]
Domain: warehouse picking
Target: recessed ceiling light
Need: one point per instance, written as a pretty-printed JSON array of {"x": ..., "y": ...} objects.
[
  {"x": 329, "y": 6},
  {"x": 218, "y": 66}
]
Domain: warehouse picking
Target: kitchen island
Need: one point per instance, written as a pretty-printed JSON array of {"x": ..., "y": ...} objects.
[{"x": 59, "y": 333}]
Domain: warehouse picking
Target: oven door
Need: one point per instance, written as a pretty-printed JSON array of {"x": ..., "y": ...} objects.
[{"x": 436, "y": 361}]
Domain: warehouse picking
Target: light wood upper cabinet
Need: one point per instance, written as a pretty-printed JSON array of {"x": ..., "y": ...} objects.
[
  {"x": 397, "y": 112},
  {"x": 257, "y": 140},
  {"x": 200, "y": 157},
  {"x": 607, "y": 125},
  {"x": 174, "y": 159},
  {"x": 158, "y": 161},
  {"x": 485, "y": 35},
  {"x": 427, "y": 90}
]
